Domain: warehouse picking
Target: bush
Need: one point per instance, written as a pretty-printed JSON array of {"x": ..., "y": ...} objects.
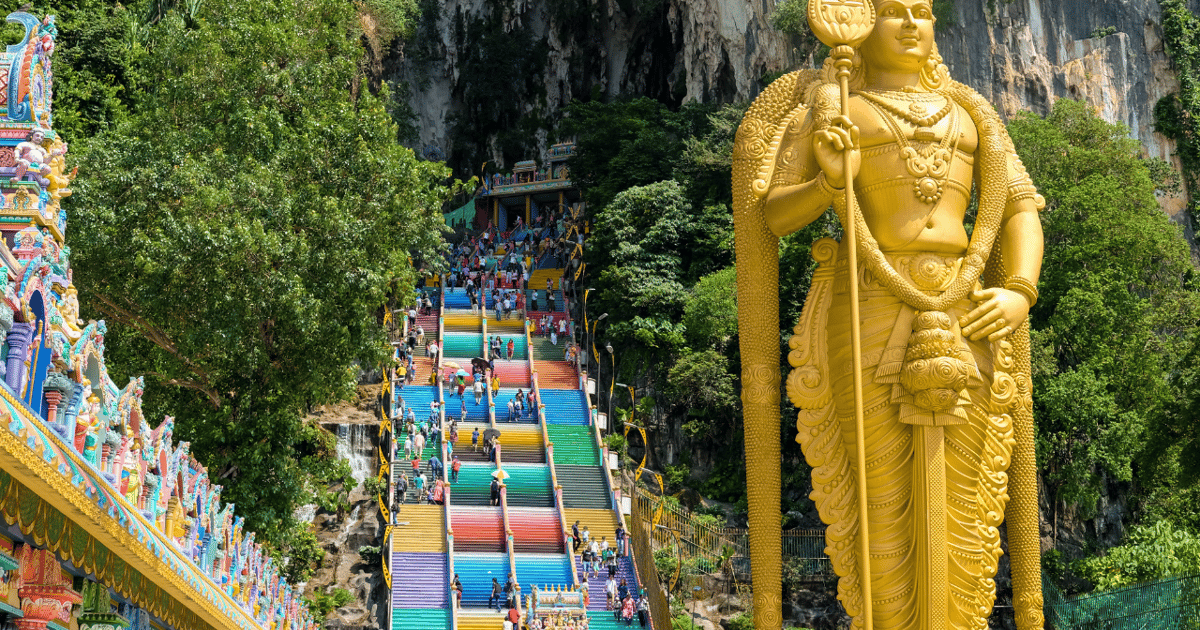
[{"x": 321, "y": 605}]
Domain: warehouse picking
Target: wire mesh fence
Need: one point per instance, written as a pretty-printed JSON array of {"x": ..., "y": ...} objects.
[{"x": 1170, "y": 604}]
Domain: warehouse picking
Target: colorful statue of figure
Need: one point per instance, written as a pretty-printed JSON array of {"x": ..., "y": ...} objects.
[
  {"x": 944, "y": 398},
  {"x": 59, "y": 178},
  {"x": 31, "y": 156}
]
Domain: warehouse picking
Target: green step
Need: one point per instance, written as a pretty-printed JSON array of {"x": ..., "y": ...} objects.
[
  {"x": 573, "y": 445},
  {"x": 420, "y": 618}
]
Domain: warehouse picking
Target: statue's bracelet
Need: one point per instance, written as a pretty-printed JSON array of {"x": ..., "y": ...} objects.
[
  {"x": 1024, "y": 287},
  {"x": 824, "y": 185}
]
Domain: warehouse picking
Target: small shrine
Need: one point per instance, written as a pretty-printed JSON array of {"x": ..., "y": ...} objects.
[{"x": 520, "y": 197}]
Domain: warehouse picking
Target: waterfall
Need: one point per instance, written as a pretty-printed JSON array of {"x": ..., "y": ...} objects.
[{"x": 356, "y": 443}]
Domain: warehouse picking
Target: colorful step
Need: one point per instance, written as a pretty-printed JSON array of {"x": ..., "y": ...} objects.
[
  {"x": 419, "y": 528},
  {"x": 542, "y": 570},
  {"x": 473, "y": 486},
  {"x": 513, "y": 374},
  {"x": 476, "y": 571},
  {"x": 584, "y": 486},
  {"x": 420, "y": 618},
  {"x": 556, "y": 375},
  {"x": 565, "y": 407},
  {"x": 478, "y": 529},
  {"x": 501, "y": 399},
  {"x": 536, "y": 530},
  {"x": 528, "y": 485},
  {"x": 419, "y": 579},
  {"x": 574, "y": 445}
]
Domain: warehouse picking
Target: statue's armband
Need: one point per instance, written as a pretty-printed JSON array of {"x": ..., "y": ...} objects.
[
  {"x": 1021, "y": 188},
  {"x": 794, "y": 163}
]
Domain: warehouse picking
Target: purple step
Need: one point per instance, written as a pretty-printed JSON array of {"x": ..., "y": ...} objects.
[
  {"x": 598, "y": 599},
  {"x": 419, "y": 580}
]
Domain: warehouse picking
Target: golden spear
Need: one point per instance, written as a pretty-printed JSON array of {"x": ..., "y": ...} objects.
[{"x": 843, "y": 25}]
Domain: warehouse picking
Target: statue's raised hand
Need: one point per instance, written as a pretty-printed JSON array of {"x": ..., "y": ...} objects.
[{"x": 830, "y": 145}]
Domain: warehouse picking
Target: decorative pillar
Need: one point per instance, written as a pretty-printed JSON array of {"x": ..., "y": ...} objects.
[
  {"x": 18, "y": 343},
  {"x": 52, "y": 400},
  {"x": 98, "y": 609},
  {"x": 46, "y": 594},
  {"x": 54, "y": 387}
]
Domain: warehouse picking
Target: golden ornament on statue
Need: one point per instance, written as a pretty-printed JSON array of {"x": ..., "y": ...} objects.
[{"x": 841, "y": 22}]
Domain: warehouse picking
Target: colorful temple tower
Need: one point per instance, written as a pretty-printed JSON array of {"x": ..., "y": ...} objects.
[{"x": 105, "y": 521}]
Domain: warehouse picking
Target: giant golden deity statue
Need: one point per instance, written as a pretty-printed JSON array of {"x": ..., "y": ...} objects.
[{"x": 911, "y": 357}]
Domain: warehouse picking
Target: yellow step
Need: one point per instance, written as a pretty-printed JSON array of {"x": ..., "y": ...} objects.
[
  {"x": 480, "y": 621},
  {"x": 537, "y": 279},
  {"x": 425, "y": 529},
  {"x": 600, "y": 523},
  {"x": 512, "y": 436}
]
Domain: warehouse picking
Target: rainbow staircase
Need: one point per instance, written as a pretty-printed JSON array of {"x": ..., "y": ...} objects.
[{"x": 545, "y": 488}]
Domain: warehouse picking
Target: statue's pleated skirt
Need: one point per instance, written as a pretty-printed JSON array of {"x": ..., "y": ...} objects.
[{"x": 890, "y": 473}]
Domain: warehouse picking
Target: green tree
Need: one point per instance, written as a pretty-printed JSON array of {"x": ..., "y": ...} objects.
[
  {"x": 1117, "y": 307},
  {"x": 1150, "y": 553},
  {"x": 239, "y": 225}
]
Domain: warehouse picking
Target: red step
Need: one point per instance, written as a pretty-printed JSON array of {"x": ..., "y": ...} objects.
[
  {"x": 477, "y": 528},
  {"x": 535, "y": 530},
  {"x": 513, "y": 373}
]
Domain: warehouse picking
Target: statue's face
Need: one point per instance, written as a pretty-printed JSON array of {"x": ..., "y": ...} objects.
[{"x": 902, "y": 39}]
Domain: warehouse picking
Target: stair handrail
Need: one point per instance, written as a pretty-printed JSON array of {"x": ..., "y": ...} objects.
[
  {"x": 450, "y": 559},
  {"x": 487, "y": 352},
  {"x": 508, "y": 539}
]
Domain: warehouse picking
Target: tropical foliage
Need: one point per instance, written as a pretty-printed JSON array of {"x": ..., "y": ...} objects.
[{"x": 242, "y": 211}]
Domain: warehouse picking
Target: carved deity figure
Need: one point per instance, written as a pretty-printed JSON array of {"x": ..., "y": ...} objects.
[
  {"x": 31, "y": 156},
  {"x": 945, "y": 391},
  {"x": 59, "y": 180}
]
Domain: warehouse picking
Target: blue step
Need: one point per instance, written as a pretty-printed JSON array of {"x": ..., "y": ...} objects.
[
  {"x": 418, "y": 397},
  {"x": 565, "y": 406},
  {"x": 475, "y": 412},
  {"x": 475, "y": 571},
  {"x": 542, "y": 570},
  {"x": 509, "y": 393}
]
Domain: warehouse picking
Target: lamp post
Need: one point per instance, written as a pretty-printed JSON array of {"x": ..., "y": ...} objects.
[
  {"x": 585, "y": 319},
  {"x": 613, "y": 377},
  {"x": 695, "y": 589}
]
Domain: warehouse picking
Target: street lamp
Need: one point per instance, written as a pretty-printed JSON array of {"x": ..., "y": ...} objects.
[
  {"x": 613, "y": 380},
  {"x": 585, "y": 319},
  {"x": 592, "y": 336}
]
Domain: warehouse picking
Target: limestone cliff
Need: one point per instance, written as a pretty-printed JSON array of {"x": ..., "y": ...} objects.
[
  {"x": 1024, "y": 54},
  {"x": 487, "y": 79},
  {"x": 526, "y": 59}
]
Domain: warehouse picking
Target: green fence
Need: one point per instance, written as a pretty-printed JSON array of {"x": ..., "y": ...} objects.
[{"x": 1171, "y": 604}]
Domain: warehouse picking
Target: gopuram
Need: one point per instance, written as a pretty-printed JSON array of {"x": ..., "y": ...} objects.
[
  {"x": 911, "y": 358},
  {"x": 106, "y": 521}
]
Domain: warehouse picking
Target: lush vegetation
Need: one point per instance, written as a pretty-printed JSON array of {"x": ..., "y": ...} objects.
[
  {"x": 1176, "y": 115},
  {"x": 242, "y": 211}
]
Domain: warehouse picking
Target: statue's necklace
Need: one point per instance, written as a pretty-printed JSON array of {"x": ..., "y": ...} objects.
[
  {"x": 917, "y": 114},
  {"x": 930, "y": 165}
]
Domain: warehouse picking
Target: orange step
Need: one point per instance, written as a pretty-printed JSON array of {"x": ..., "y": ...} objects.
[{"x": 556, "y": 375}]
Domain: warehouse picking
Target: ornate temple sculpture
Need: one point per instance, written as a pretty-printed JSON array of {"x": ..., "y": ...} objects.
[
  {"x": 90, "y": 491},
  {"x": 911, "y": 357}
]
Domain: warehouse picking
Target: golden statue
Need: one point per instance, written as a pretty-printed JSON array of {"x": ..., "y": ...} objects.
[{"x": 919, "y": 368}]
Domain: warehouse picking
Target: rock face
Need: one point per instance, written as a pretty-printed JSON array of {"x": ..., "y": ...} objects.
[
  {"x": 487, "y": 79},
  {"x": 535, "y": 56},
  {"x": 1025, "y": 54}
]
